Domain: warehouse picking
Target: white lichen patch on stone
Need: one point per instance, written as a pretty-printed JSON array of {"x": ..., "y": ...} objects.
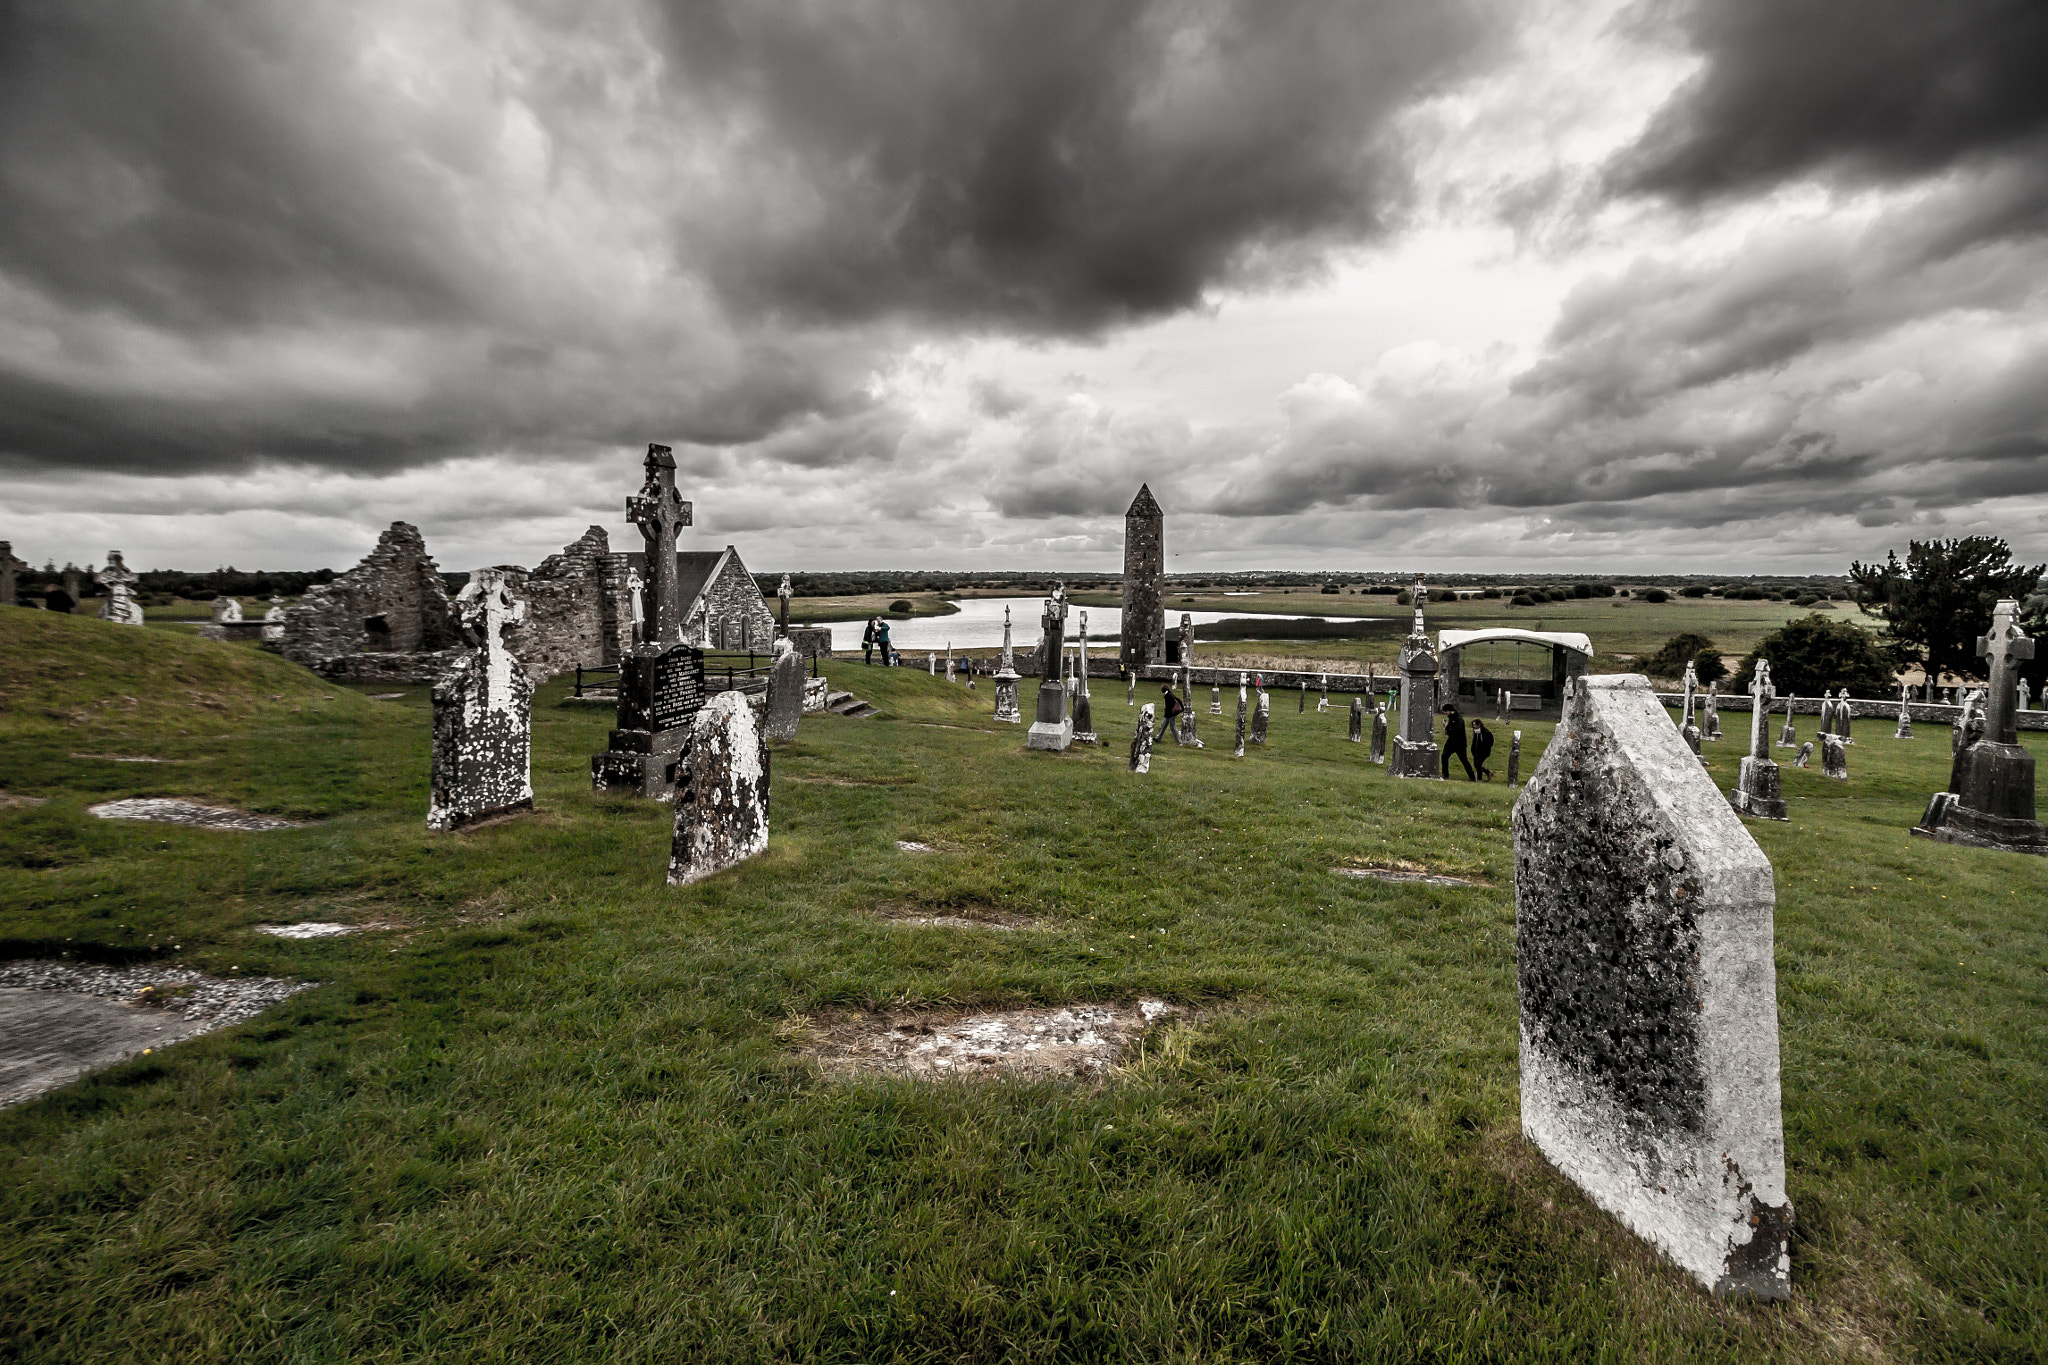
[
  {"x": 1072, "y": 1040},
  {"x": 965, "y": 917},
  {"x": 58, "y": 1022},
  {"x": 722, "y": 799},
  {"x": 126, "y": 758},
  {"x": 314, "y": 929},
  {"x": 1390, "y": 874},
  {"x": 173, "y": 811},
  {"x": 913, "y": 846}
]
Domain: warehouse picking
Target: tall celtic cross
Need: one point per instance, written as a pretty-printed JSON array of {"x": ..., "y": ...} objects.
[
  {"x": 1053, "y": 639},
  {"x": 1761, "y": 695},
  {"x": 660, "y": 512},
  {"x": 2007, "y": 647},
  {"x": 1692, "y": 685},
  {"x": 1421, "y": 630}
]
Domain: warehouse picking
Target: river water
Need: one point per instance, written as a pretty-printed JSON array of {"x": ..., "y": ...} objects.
[{"x": 979, "y": 624}]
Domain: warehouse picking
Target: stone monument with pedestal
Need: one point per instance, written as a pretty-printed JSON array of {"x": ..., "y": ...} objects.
[
  {"x": 1415, "y": 749},
  {"x": 1758, "y": 791},
  {"x": 661, "y": 680},
  {"x": 1084, "y": 713},
  {"x": 1006, "y": 680},
  {"x": 1990, "y": 798},
  {"x": 1054, "y": 728}
]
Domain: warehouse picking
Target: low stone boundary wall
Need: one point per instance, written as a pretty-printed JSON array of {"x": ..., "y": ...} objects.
[{"x": 1935, "y": 713}]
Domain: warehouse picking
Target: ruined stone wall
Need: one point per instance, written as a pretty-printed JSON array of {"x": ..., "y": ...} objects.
[
  {"x": 393, "y": 605},
  {"x": 567, "y": 614},
  {"x": 736, "y": 615}
]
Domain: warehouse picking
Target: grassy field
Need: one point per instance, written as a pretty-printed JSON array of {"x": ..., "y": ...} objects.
[
  {"x": 806, "y": 611},
  {"x": 559, "y": 1113}
]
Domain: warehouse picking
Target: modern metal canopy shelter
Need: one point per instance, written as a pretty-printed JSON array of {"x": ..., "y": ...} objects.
[{"x": 1521, "y": 661}]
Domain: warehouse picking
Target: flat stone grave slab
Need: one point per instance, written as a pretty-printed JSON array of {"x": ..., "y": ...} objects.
[
  {"x": 173, "y": 811},
  {"x": 908, "y": 916},
  {"x": 59, "y": 1022},
  {"x": 1405, "y": 874},
  {"x": 1072, "y": 1040},
  {"x": 913, "y": 846}
]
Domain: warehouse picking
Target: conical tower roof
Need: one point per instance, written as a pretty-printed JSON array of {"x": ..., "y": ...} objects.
[{"x": 1144, "y": 505}]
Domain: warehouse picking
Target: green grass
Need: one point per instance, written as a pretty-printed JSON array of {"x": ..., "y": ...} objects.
[{"x": 558, "y": 1115}]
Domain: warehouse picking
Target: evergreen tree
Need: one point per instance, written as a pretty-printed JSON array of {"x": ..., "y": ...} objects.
[{"x": 1936, "y": 604}]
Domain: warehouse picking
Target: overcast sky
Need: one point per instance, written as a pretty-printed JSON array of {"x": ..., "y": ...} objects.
[{"x": 922, "y": 283}]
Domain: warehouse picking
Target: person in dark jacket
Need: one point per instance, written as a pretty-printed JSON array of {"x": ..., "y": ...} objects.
[
  {"x": 1170, "y": 708},
  {"x": 1454, "y": 742},
  {"x": 1482, "y": 748},
  {"x": 882, "y": 643},
  {"x": 867, "y": 643}
]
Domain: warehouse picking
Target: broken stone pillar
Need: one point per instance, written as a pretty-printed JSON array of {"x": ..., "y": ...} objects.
[
  {"x": 1758, "y": 791},
  {"x": 1141, "y": 742},
  {"x": 1260, "y": 715},
  {"x": 119, "y": 580},
  {"x": 785, "y": 692},
  {"x": 1834, "y": 759},
  {"x": 1415, "y": 751},
  {"x": 483, "y": 715},
  {"x": 721, "y": 792},
  {"x": 1649, "y": 1014},
  {"x": 1054, "y": 728},
  {"x": 1379, "y": 732},
  {"x": 1515, "y": 759},
  {"x": 1357, "y": 733},
  {"x": 1990, "y": 798},
  {"x": 1006, "y": 680}
]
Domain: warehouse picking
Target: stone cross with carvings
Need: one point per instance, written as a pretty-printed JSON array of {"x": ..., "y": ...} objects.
[
  {"x": 488, "y": 607},
  {"x": 782, "y": 595},
  {"x": 1053, "y": 644},
  {"x": 1761, "y": 695},
  {"x": 2007, "y": 647},
  {"x": 660, "y": 512}
]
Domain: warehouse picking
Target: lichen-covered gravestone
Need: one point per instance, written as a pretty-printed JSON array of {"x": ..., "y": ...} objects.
[
  {"x": 721, "y": 791},
  {"x": 1990, "y": 798},
  {"x": 1515, "y": 759},
  {"x": 1834, "y": 759},
  {"x": 1260, "y": 715},
  {"x": 483, "y": 715},
  {"x": 1649, "y": 1013},
  {"x": 1357, "y": 719},
  {"x": 1788, "y": 738},
  {"x": 1141, "y": 742},
  {"x": 1237, "y": 750},
  {"x": 1758, "y": 790},
  {"x": 1379, "y": 732},
  {"x": 785, "y": 691}
]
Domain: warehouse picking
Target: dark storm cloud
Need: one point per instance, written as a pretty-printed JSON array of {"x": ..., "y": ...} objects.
[
  {"x": 1056, "y": 165},
  {"x": 1865, "y": 88}
]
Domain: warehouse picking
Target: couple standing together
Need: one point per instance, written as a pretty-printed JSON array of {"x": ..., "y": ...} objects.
[
  {"x": 1454, "y": 744},
  {"x": 874, "y": 637}
]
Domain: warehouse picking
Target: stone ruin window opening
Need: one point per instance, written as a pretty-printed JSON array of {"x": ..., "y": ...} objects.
[{"x": 377, "y": 633}]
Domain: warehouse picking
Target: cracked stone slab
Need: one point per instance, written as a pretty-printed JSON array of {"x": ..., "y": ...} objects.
[
  {"x": 174, "y": 811},
  {"x": 59, "y": 1022},
  {"x": 1071, "y": 1040}
]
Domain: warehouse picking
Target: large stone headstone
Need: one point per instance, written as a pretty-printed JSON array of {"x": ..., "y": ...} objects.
[
  {"x": 1415, "y": 751},
  {"x": 1215, "y": 698},
  {"x": 660, "y": 693},
  {"x": 483, "y": 715},
  {"x": 119, "y": 580},
  {"x": 1788, "y": 738},
  {"x": 1845, "y": 717},
  {"x": 785, "y": 692},
  {"x": 1834, "y": 758},
  {"x": 1515, "y": 759},
  {"x": 1643, "y": 948},
  {"x": 1758, "y": 790},
  {"x": 722, "y": 791},
  {"x": 660, "y": 512},
  {"x": 1141, "y": 741},
  {"x": 1990, "y": 798}
]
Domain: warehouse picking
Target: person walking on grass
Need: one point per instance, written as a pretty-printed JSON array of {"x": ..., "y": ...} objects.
[
  {"x": 1482, "y": 748},
  {"x": 1454, "y": 742},
  {"x": 1169, "y": 710},
  {"x": 867, "y": 644}
]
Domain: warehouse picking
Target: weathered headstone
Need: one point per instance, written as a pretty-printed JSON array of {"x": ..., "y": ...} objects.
[
  {"x": 1301, "y": 707},
  {"x": 949, "y": 661},
  {"x": 1990, "y": 798},
  {"x": 1415, "y": 751},
  {"x": 1054, "y": 728},
  {"x": 1712, "y": 726},
  {"x": 1959, "y": 730},
  {"x": 1357, "y": 734},
  {"x": 226, "y": 609},
  {"x": 1006, "y": 680},
  {"x": 785, "y": 692},
  {"x": 1904, "y": 729},
  {"x": 1237, "y": 750},
  {"x": 119, "y": 580},
  {"x": 2025, "y": 694},
  {"x": 1758, "y": 790},
  {"x": 483, "y": 714},
  {"x": 721, "y": 793},
  {"x": 1804, "y": 757},
  {"x": 273, "y": 620},
  {"x": 1084, "y": 713},
  {"x": 1130, "y": 685},
  {"x": 1379, "y": 732},
  {"x": 1845, "y": 717},
  {"x": 660, "y": 512},
  {"x": 1649, "y": 1017},
  {"x": 1186, "y": 735},
  {"x": 1515, "y": 759},
  {"x": 782, "y": 608},
  {"x": 1215, "y": 698},
  {"x": 1789, "y": 736},
  {"x": 1687, "y": 730},
  {"x": 1260, "y": 715},
  {"x": 1141, "y": 742},
  {"x": 1834, "y": 759},
  {"x": 1324, "y": 704}
]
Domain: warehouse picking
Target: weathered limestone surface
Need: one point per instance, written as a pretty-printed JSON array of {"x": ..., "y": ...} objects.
[
  {"x": 1053, "y": 728},
  {"x": 1260, "y": 714},
  {"x": 393, "y": 606},
  {"x": 1144, "y": 588},
  {"x": 1357, "y": 720},
  {"x": 1415, "y": 751},
  {"x": 785, "y": 692},
  {"x": 1758, "y": 790},
  {"x": 120, "y": 606},
  {"x": 1141, "y": 741},
  {"x": 9, "y": 567},
  {"x": 1834, "y": 759},
  {"x": 483, "y": 715},
  {"x": 722, "y": 795},
  {"x": 1990, "y": 798},
  {"x": 1515, "y": 759},
  {"x": 1006, "y": 679},
  {"x": 1379, "y": 732},
  {"x": 1649, "y": 1018}
]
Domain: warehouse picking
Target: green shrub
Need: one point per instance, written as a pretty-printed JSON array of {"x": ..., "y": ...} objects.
[
  {"x": 1692, "y": 590},
  {"x": 1656, "y": 595},
  {"x": 1521, "y": 599},
  {"x": 1816, "y": 652},
  {"x": 900, "y": 604},
  {"x": 1582, "y": 590},
  {"x": 1688, "y": 647}
]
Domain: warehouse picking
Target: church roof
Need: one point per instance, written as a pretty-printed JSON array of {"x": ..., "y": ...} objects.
[
  {"x": 696, "y": 570},
  {"x": 1144, "y": 505}
]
